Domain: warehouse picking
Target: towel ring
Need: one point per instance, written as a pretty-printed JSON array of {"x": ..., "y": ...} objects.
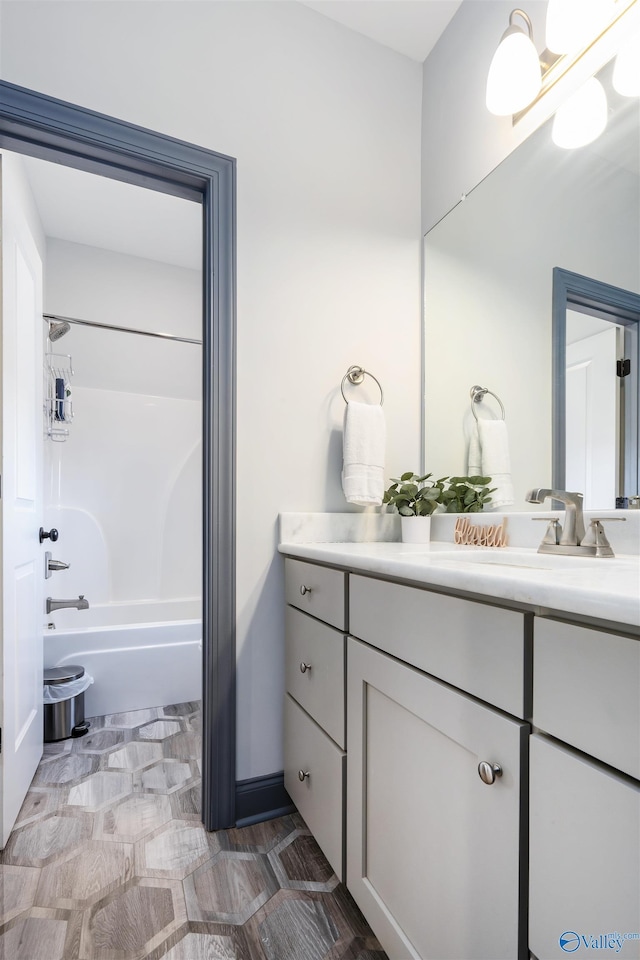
[
  {"x": 478, "y": 394},
  {"x": 356, "y": 375}
]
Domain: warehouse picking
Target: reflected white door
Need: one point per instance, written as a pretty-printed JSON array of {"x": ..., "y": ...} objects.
[
  {"x": 21, "y": 503},
  {"x": 592, "y": 422}
]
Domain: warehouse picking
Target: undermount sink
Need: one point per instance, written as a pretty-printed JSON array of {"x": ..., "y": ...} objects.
[{"x": 503, "y": 557}]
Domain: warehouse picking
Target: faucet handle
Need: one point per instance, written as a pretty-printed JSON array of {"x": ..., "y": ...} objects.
[
  {"x": 608, "y": 519},
  {"x": 597, "y": 537},
  {"x": 553, "y": 531}
]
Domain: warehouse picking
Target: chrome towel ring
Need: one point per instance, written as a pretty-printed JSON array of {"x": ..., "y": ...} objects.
[
  {"x": 478, "y": 394},
  {"x": 356, "y": 375}
]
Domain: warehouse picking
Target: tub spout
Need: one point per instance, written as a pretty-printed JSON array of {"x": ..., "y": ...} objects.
[{"x": 80, "y": 604}]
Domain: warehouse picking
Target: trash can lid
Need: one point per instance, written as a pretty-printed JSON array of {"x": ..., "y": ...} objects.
[{"x": 70, "y": 671}]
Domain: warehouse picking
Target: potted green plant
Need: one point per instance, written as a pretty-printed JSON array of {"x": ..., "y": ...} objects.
[
  {"x": 415, "y": 498},
  {"x": 466, "y": 494}
]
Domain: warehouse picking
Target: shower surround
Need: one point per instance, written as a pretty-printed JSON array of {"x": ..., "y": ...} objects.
[{"x": 124, "y": 489}]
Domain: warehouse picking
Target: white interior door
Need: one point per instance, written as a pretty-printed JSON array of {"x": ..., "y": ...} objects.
[
  {"x": 21, "y": 503},
  {"x": 592, "y": 424}
]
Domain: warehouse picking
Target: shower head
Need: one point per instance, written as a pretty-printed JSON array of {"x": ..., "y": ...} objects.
[{"x": 57, "y": 330}]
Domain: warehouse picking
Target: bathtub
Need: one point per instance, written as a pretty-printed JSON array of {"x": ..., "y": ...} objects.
[{"x": 135, "y": 664}]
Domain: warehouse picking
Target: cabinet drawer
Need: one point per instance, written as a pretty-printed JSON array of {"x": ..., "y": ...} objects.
[
  {"x": 320, "y": 797},
  {"x": 473, "y": 646},
  {"x": 584, "y": 871},
  {"x": 586, "y": 691},
  {"x": 314, "y": 665},
  {"x": 324, "y": 596}
]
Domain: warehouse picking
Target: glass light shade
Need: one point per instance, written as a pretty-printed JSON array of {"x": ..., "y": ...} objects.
[
  {"x": 515, "y": 77},
  {"x": 626, "y": 70},
  {"x": 582, "y": 118},
  {"x": 573, "y": 24}
]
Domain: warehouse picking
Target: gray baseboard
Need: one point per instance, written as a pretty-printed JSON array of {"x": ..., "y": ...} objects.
[{"x": 261, "y": 798}]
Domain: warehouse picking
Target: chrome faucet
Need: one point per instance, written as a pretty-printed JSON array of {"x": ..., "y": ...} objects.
[
  {"x": 572, "y": 541},
  {"x": 80, "y": 604},
  {"x": 573, "y": 533}
]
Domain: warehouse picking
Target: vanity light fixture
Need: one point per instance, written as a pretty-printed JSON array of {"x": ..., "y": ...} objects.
[
  {"x": 582, "y": 118},
  {"x": 626, "y": 69},
  {"x": 572, "y": 24},
  {"x": 518, "y": 78},
  {"x": 515, "y": 76}
]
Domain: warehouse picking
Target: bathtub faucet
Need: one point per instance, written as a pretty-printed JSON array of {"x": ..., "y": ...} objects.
[{"x": 80, "y": 604}]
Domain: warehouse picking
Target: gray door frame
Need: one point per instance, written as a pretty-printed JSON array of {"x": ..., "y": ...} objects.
[
  {"x": 40, "y": 126},
  {"x": 586, "y": 295}
]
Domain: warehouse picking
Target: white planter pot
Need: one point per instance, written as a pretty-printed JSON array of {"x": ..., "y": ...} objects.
[{"x": 415, "y": 529}]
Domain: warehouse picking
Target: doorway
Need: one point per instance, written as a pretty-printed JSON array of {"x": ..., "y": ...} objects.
[{"x": 41, "y": 127}]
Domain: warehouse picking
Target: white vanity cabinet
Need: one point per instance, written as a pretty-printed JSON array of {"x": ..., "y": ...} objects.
[
  {"x": 543, "y": 861},
  {"x": 584, "y": 792},
  {"x": 314, "y": 713}
]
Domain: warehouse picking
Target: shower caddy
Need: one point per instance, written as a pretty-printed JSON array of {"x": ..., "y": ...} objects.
[{"x": 58, "y": 407}]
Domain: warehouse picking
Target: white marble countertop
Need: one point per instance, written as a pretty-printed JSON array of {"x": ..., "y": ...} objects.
[{"x": 604, "y": 589}]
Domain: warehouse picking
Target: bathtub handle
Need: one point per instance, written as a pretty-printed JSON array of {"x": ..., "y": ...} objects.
[{"x": 51, "y": 565}]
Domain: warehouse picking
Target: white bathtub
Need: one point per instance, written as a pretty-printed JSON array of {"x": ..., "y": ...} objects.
[{"x": 135, "y": 665}]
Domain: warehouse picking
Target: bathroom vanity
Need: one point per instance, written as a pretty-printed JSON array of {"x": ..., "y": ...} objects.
[{"x": 462, "y": 736}]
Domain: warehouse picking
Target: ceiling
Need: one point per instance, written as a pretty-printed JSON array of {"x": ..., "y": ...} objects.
[
  {"x": 411, "y": 27},
  {"x": 92, "y": 210},
  {"x": 86, "y": 208}
]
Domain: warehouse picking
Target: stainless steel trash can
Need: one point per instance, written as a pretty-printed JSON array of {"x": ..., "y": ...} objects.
[{"x": 64, "y": 718}]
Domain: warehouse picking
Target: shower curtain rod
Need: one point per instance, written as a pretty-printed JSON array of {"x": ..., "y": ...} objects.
[{"x": 110, "y": 326}]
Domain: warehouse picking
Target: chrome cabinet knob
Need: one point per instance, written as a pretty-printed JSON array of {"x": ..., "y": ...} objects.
[
  {"x": 304, "y": 667},
  {"x": 304, "y": 589},
  {"x": 489, "y": 771},
  {"x": 303, "y": 775}
]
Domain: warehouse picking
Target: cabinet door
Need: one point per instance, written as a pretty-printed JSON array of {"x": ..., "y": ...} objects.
[
  {"x": 432, "y": 851},
  {"x": 584, "y": 858},
  {"x": 319, "y": 796}
]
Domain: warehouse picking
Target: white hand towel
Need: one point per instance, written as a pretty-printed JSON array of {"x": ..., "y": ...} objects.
[
  {"x": 474, "y": 468},
  {"x": 363, "y": 453},
  {"x": 496, "y": 462}
]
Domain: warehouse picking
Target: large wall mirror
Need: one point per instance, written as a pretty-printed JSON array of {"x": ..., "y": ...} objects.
[{"x": 490, "y": 302}]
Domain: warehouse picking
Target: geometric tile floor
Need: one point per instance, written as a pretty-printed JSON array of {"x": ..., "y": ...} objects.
[{"x": 108, "y": 860}]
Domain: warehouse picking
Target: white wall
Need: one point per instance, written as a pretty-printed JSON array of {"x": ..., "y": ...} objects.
[
  {"x": 26, "y": 200},
  {"x": 325, "y": 126},
  {"x": 128, "y": 291},
  {"x": 125, "y": 488}
]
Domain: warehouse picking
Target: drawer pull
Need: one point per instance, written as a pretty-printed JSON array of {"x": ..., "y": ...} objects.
[
  {"x": 304, "y": 589},
  {"x": 303, "y": 775},
  {"x": 304, "y": 667},
  {"x": 489, "y": 771}
]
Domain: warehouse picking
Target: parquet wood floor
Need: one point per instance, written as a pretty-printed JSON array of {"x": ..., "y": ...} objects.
[{"x": 109, "y": 861}]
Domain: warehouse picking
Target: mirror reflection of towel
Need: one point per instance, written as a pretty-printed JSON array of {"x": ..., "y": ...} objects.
[
  {"x": 489, "y": 457},
  {"x": 363, "y": 453}
]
